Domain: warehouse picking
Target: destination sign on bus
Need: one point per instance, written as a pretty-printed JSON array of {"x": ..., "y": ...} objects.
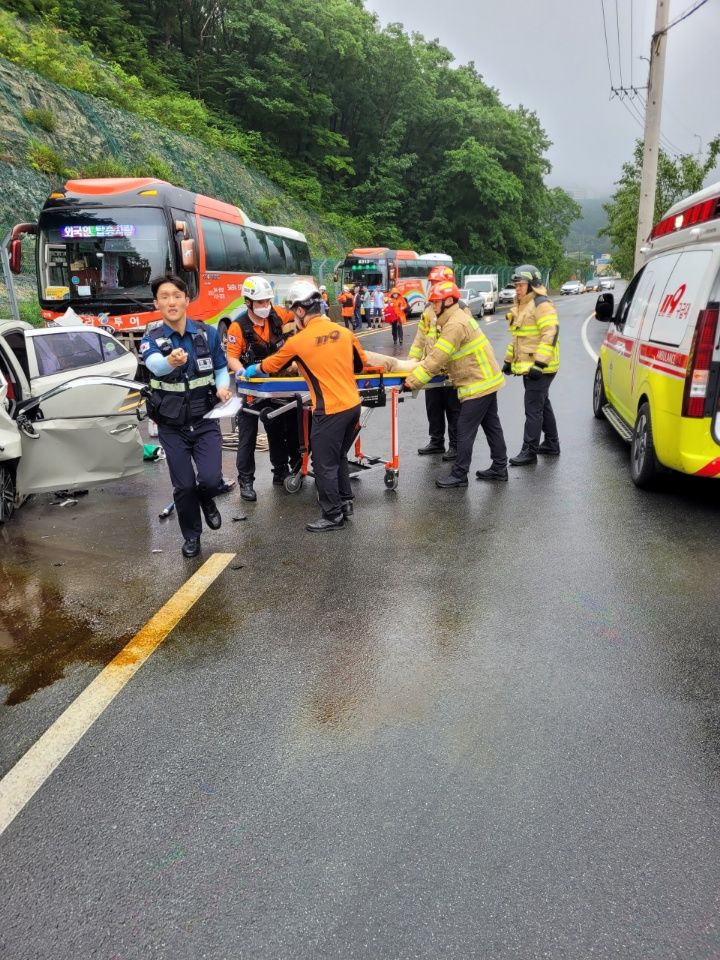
[{"x": 77, "y": 231}]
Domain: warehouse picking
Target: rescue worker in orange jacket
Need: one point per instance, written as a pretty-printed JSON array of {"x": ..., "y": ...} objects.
[
  {"x": 534, "y": 354},
  {"x": 259, "y": 331},
  {"x": 465, "y": 352},
  {"x": 347, "y": 306},
  {"x": 400, "y": 304},
  {"x": 328, "y": 357}
]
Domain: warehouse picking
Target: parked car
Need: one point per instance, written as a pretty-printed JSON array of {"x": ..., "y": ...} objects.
[
  {"x": 507, "y": 294},
  {"x": 607, "y": 283},
  {"x": 67, "y": 410},
  {"x": 474, "y": 301},
  {"x": 571, "y": 287}
]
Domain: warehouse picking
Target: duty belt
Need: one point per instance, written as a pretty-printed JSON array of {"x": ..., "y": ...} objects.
[{"x": 182, "y": 387}]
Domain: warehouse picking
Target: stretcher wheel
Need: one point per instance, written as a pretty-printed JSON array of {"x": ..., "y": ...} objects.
[
  {"x": 392, "y": 479},
  {"x": 293, "y": 483}
]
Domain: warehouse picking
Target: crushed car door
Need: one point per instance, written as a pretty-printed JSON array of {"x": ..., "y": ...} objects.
[
  {"x": 83, "y": 448},
  {"x": 58, "y": 354}
]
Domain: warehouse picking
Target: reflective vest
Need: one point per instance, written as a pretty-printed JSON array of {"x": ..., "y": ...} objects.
[
  {"x": 426, "y": 336},
  {"x": 187, "y": 393},
  {"x": 463, "y": 349},
  {"x": 256, "y": 349},
  {"x": 535, "y": 332}
]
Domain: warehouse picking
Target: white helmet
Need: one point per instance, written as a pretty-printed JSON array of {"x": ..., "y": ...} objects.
[
  {"x": 257, "y": 288},
  {"x": 323, "y": 288},
  {"x": 303, "y": 293}
]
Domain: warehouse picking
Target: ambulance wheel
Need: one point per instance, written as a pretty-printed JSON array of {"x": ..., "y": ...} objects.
[
  {"x": 643, "y": 462},
  {"x": 599, "y": 398},
  {"x": 7, "y": 492},
  {"x": 391, "y": 479},
  {"x": 293, "y": 483}
]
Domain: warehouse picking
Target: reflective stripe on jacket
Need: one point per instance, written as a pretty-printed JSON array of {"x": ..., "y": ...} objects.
[
  {"x": 464, "y": 350},
  {"x": 535, "y": 332},
  {"x": 425, "y": 337}
]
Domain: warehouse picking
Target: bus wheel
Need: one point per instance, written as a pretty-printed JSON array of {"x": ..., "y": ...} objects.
[
  {"x": 223, "y": 327},
  {"x": 643, "y": 463}
]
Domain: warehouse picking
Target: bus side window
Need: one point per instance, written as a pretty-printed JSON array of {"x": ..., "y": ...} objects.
[
  {"x": 291, "y": 261},
  {"x": 258, "y": 250},
  {"x": 236, "y": 248},
  {"x": 276, "y": 255},
  {"x": 215, "y": 256}
]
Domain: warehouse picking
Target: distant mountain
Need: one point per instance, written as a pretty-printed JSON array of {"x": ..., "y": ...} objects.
[{"x": 583, "y": 233}]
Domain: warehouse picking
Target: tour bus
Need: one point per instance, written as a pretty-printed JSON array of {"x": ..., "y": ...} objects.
[
  {"x": 384, "y": 268},
  {"x": 100, "y": 242}
]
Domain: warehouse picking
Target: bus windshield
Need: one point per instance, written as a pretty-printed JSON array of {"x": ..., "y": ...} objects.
[
  {"x": 102, "y": 254},
  {"x": 365, "y": 271}
]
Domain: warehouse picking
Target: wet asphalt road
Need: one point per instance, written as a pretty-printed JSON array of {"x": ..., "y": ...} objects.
[{"x": 474, "y": 723}]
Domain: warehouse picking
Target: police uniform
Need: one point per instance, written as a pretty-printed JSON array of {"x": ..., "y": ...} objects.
[
  {"x": 249, "y": 343},
  {"x": 179, "y": 399}
]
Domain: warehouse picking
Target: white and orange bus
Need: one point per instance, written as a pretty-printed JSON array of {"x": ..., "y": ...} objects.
[
  {"x": 100, "y": 242},
  {"x": 385, "y": 268}
]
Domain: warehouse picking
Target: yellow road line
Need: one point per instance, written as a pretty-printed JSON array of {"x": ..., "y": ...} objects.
[{"x": 33, "y": 769}]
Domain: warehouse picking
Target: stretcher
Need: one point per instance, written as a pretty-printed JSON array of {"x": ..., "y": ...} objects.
[{"x": 376, "y": 387}]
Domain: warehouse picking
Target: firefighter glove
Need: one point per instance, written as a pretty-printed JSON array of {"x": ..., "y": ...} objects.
[
  {"x": 535, "y": 372},
  {"x": 507, "y": 367}
]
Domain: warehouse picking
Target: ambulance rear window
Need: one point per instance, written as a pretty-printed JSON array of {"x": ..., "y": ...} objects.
[{"x": 681, "y": 298}]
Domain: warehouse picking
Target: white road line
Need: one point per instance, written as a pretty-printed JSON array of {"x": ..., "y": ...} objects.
[
  {"x": 31, "y": 771},
  {"x": 586, "y": 342}
]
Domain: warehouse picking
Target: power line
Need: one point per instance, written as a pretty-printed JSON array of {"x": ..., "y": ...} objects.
[
  {"x": 617, "y": 24},
  {"x": 607, "y": 48},
  {"x": 632, "y": 44},
  {"x": 685, "y": 15}
]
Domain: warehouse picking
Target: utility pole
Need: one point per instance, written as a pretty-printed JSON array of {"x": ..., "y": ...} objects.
[{"x": 653, "y": 111}]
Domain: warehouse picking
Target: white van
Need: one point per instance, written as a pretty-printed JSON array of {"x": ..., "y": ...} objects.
[
  {"x": 658, "y": 377},
  {"x": 485, "y": 283}
]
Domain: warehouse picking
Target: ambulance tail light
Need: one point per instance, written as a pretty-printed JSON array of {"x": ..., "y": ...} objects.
[{"x": 698, "y": 372}]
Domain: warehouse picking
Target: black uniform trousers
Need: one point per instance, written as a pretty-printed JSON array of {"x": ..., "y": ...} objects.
[
  {"x": 539, "y": 414},
  {"x": 331, "y": 436},
  {"x": 200, "y": 443},
  {"x": 442, "y": 403},
  {"x": 476, "y": 413},
  {"x": 283, "y": 443}
]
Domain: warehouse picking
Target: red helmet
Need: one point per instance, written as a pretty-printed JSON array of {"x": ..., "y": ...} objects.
[
  {"x": 443, "y": 290},
  {"x": 440, "y": 273}
]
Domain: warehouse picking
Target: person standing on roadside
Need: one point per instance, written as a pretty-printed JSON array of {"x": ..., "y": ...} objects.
[
  {"x": 347, "y": 306},
  {"x": 534, "y": 354},
  {"x": 400, "y": 305},
  {"x": 188, "y": 376}
]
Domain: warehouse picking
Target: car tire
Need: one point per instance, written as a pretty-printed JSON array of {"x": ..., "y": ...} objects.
[
  {"x": 599, "y": 397},
  {"x": 643, "y": 462},
  {"x": 7, "y": 492}
]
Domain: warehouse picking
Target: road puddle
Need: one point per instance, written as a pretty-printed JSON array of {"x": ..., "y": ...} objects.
[{"x": 43, "y": 633}]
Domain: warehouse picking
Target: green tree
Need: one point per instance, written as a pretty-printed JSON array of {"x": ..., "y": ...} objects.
[{"x": 676, "y": 178}]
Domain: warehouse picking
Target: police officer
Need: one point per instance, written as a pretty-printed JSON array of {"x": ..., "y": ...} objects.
[
  {"x": 534, "y": 354},
  {"x": 259, "y": 331},
  {"x": 328, "y": 356},
  {"x": 188, "y": 375}
]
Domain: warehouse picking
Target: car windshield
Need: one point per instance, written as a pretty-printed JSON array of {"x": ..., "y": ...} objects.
[
  {"x": 105, "y": 254},
  {"x": 483, "y": 285}
]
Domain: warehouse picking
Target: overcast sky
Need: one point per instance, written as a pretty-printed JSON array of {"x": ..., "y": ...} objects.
[{"x": 550, "y": 56}]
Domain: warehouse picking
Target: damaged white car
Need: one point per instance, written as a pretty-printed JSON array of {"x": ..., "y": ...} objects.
[{"x": 68, "y": 410}]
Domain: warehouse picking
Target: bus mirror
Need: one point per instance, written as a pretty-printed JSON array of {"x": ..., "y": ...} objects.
[
  {"x": 181, "y": 227},
  {"x": 189, "y": 255},
  {"x": 16, "y": 255}
]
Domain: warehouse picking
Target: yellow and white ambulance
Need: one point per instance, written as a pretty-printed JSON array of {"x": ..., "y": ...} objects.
[{"x": 658, "y": 377}]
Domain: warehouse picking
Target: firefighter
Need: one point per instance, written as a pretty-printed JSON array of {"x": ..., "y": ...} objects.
[
  {"x": 347, "y": 306},
  {"x": 441, "y": 403},
  {"x": 465, "y": 352},
  {"x": 260, "y": 330},
  {"x": 188, "y": 375},
  {"x": 328, "y": 356},
  {"x": 534, "y": 354}
]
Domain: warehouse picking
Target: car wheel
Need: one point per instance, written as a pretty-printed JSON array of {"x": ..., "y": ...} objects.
[
  {"x": 599, "y": 397},
  {"x": 7, "y": 492},
  {"x": 643, "y": 462}
]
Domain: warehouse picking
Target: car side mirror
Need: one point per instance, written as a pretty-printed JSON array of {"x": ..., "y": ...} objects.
[
  {"x": 605, "y": 307},
  {"x": 188, "y": 254}
]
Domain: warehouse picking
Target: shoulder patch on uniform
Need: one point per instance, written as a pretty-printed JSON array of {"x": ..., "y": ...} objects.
[
  {"x": 144, "y": 346},
  {"x": 232, "y": 338}
]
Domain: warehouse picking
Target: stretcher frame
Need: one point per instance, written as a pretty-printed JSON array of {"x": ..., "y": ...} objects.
[{"x": 373, "y": 386}]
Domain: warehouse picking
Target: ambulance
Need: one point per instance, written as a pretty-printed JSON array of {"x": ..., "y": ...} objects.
[{"x": 658, "y": 376}]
